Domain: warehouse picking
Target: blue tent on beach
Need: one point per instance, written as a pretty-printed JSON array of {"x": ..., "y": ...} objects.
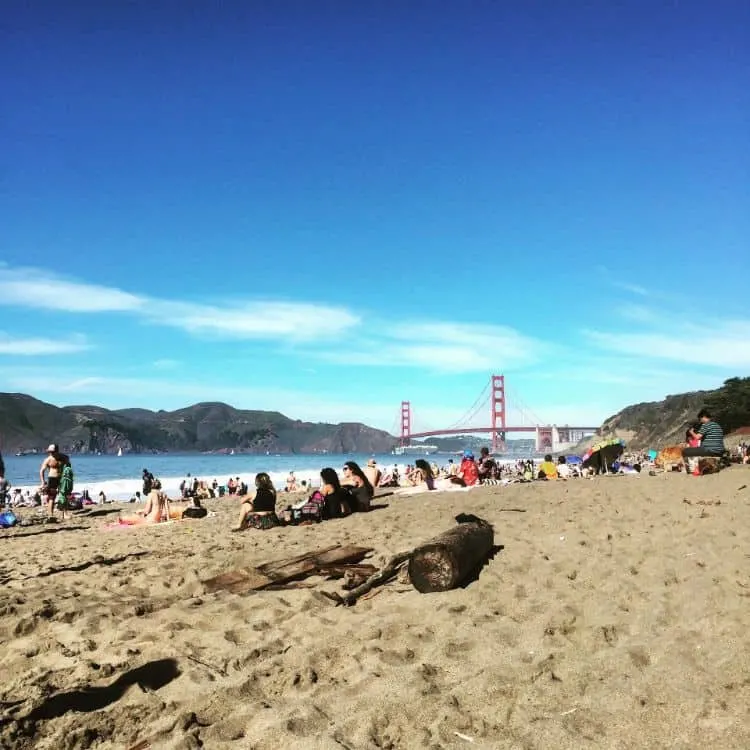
[{"x": 573, "y": 460}]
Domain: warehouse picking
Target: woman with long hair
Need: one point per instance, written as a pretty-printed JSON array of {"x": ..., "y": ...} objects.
[
  {"x": 425, "y": 473},
  {"x": 259, "y": 510},
  {"x": 336, "y": 501},
  {"x": 361, "y": 489}
]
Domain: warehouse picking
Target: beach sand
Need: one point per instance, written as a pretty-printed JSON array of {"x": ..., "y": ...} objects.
[{"x": 615, "y": 616}]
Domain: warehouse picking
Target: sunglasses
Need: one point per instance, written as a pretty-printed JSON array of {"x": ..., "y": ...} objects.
[{"x": 346, "y": 468}]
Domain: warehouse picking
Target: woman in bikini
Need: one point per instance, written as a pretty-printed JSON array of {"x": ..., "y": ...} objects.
[{"x": 259, "y": 510}]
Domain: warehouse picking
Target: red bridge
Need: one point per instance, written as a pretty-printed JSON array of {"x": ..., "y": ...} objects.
[{"x": 548, "y": 437}]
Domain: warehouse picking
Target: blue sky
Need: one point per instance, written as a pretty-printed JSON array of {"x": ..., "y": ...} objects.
[{"x": 323, "y": 208}]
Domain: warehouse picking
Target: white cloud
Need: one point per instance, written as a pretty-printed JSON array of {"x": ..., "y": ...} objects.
[
  {"x": 36, "y": 288},
  {"x": 165, "y": 364},
  {"x": 636, "y": 289},
  {"x": 30, "y": 347},
  {"x": 440, "y": 346},
  {"x": 638, "y": 313},
  {"x": 288, "y": 321},
  {"x": 246, "y": 320},
  {"x": 724, "y": 344}
]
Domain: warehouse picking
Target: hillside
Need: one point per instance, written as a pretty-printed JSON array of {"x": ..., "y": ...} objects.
[
  {"x": 658, "y": 423},
  {"x": 29, "y": 424}
]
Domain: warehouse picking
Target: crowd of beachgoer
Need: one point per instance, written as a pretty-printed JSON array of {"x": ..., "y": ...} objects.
[{"x": 353, "y": 488}]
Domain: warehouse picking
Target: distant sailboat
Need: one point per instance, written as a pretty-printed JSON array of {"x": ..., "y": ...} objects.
[
  {"x": 231, "y": 453},
  {"x": 119, "y": 451}
]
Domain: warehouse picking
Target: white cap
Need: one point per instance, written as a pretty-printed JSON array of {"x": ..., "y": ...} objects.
[{"x": 52, "y": 448}]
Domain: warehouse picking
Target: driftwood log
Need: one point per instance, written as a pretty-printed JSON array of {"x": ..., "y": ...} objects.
[
  {"x": 322, "y": 561},
  {"x": 445, "y": 561}
]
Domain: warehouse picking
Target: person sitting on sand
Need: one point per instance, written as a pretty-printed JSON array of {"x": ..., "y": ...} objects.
[
  {"x": 691, "y": 436},
  {"x": 156, "y": 509},
  {"x": 337, "y": 500},
  {"x": 711, "y": 438},
  {"x": 547, "y": 469},
  {"x": 563, "y": 470},
  {"x": 259, "y": 510},
  {"x": 373, "y": 474},
  {"x": 488, "y": 469},
  {"x": 359, "y": 486},
  {"x": 423, "y": 474},
  {"x": 468, "y": 473}
]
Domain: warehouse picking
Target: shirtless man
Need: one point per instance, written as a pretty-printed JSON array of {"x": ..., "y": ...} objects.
[
  {"x": 53, "y": 465},
  {"x": 373, "y": 473}
]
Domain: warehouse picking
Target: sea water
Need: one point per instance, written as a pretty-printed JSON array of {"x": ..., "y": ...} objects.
[{"x": 119, "y": 477}]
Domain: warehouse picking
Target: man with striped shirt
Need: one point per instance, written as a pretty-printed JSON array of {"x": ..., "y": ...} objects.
[{"x": 711, "y": 438}]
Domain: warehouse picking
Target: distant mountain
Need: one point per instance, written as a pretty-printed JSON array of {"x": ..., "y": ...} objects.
[
  {"x": 659, "y": 423},
  {"x": 29, "y": 424},
  {"x": 457, "y": 443}
]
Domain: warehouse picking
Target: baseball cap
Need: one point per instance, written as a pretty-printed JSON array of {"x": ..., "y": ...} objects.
[{"x": 52, "y": 448}]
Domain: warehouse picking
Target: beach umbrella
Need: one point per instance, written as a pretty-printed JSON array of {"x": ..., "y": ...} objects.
[
  {"x": 602, "y": 455},
  {"x": 573, "y": 459}
]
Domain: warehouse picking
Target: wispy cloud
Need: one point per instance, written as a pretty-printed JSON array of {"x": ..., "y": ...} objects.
[
  {"x": 165, "y": 364},
  {"x": 37, "y": 288},
  {"x": 441, "y": 346},
  {"x": 723, "y": 344},
  {"x": 638, "y": 313},
  {"x": 636, "y": 289},
  {"x": 31, "y": 347},
  {"x": 287, "y": 321},
  {"x": 248, "y": 320}
]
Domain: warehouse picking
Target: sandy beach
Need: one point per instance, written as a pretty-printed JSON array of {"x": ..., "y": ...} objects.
[{"x": 615, "y": 616}]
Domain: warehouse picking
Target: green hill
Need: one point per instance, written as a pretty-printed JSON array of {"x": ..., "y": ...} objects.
[
  {"x": 658, "y": 423},
  {"x": 29, "y": 424}
]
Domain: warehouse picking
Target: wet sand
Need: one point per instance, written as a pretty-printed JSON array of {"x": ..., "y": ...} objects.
[{"x": 615, "y": 616}]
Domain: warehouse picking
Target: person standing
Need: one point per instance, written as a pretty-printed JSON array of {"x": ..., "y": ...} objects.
[{"x": 53, "y": 465}]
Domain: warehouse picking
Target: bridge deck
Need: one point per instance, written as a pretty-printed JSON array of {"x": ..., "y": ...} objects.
[{"x": 474, "y": 430}]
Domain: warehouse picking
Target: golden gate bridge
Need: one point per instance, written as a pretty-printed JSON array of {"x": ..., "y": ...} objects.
[{"x": 548, "y": 436}]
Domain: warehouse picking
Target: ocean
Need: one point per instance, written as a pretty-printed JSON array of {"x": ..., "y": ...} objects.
[{"x": 120, "y": 476}]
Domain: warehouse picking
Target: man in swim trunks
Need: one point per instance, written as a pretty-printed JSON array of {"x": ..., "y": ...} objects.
[{"x": 53, "y": 465}]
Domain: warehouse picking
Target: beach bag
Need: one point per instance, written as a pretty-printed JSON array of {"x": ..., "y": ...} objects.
[
  {"x": 195, "y": 513},
  {"x": 7, "y": 519},
  {"x": 312, "y": 510}
]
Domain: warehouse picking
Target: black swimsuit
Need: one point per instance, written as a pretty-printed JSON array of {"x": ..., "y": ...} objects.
[{"x": 264, "y": 502}]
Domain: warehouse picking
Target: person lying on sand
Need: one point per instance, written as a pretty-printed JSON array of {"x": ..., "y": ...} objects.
[
  {"x": 258, "y": 511},
  {"x": 194, "y": 509},
  {"x": 156, "y": 509}
]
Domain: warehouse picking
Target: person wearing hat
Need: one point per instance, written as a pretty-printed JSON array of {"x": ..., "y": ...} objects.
[
  {"x": 373, "y": 473},
  {"x": 53, "y": 465},
  {"x": 468, "y": 472}
]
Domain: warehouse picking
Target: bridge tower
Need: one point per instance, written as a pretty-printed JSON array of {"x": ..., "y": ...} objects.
[
  {"x": 497, "y": 414},
  {"x": 405, "y": 422}
]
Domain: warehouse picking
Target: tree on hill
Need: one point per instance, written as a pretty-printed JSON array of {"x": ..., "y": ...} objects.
[{"x": 730, "y": 405}]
